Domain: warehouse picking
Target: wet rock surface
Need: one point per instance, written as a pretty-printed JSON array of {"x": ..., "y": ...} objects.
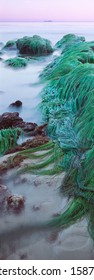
[
  {"x": 15, "y": 202},
  {"x": 17, "y": 103},
  {"x": 14, "y": 120}
]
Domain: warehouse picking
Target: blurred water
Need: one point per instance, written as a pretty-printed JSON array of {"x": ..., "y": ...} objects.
[
  {"x": 51, "y": 30},
  {"x": 20, "y": 84}
]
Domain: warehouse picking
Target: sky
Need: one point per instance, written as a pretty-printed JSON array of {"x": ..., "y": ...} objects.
[{"x": 41, "y": 10}]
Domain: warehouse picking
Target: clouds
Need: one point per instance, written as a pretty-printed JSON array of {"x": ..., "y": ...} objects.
[{"x": 60, "y": 10}]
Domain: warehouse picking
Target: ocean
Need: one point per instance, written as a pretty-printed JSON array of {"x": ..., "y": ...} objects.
[{"x": 23, "y": 84}]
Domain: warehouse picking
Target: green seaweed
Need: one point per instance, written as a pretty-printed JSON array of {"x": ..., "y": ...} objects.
[
  {"x": 8, "y": 139},
  {"x": 16, "y": 62},
  {"x": 69, "y": 39},
  {"x": 34, "y": 46},
  {"x": 10, "y": 45}
]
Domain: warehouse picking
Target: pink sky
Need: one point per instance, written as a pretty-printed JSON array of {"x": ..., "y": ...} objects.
[{"x": 38, "y": 10}]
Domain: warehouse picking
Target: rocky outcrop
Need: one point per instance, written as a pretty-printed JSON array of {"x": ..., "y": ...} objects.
[
  {"x": 69, "y": 39},
  {"x": 13, "y": 120},
  {"x": 34, "y": 46}
]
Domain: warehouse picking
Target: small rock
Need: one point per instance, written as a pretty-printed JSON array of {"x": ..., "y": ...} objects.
[
  {"x": 15, "y": 202},
  {"x": 17, "y": 103},
  {"x": 14, "y": 120},
  {"x": 36, "y": 207}
]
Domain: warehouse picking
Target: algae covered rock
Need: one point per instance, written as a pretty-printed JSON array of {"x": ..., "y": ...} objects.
[
  {"x": 16, "y": 62},
  {"x": 34, "y": 46},
  {"x": 71, "y": 57},
  {"x": 69, "y": 39},
  {"x": 11, "y": 45}
]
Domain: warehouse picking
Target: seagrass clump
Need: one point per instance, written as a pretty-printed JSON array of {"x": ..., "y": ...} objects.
[
  {"x": 68, "y": 107},
  {"x": 8, "y": 139},
  {"x": 16, "y": 62}
]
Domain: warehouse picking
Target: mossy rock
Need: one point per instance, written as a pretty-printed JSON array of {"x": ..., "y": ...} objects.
[
  {"x": 34, "y": 46},
  {"x": 16, "y": 62},
  {"x": 69, "y": 39},
  {"x": 10, "y": 45},
  {"x": 71, "y": 57}
]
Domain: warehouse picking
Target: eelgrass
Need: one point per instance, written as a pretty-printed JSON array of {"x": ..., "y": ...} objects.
[{"x": 8, "y": 139}]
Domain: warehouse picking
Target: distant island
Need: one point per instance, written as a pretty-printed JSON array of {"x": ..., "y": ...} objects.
[{"x": 48, "y": 21}]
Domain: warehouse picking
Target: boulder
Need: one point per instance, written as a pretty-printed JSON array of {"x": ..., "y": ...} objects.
[
  {"x": 8, "y": 120},
  {"x": 34, "y": 46},
  {"x": 17, "y": 103}
]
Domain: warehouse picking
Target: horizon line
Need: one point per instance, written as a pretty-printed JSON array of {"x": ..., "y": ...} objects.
[{"x": 45, "y": 21}]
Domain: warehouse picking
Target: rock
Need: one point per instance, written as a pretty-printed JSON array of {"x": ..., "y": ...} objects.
[
  {"x": 10, "y": 120},
  {"x": 29, "y": 127},
  {"x": 16, "y": 62},
  {"x": 36, "y": 208},
  {"x": 30, "y": 143},
  {"x": 69, "y": 39},
  {"x": 10, "y": 45},
  {"x": 13, "y": 120},
  {"x": 15, "y": 202},
  {"x": 39, "y": 130},
  {"x": 34, "y": 46},
  {"x": 17, "y": 103}
]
